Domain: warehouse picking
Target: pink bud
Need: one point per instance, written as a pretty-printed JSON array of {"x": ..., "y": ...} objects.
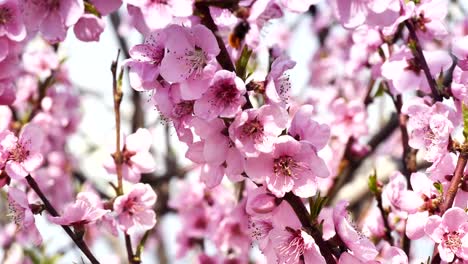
[{"x": 263, "y": 203}]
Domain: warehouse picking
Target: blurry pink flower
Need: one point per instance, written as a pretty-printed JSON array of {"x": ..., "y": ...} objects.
[
  {"x": 7, "y": 92},
  {"x": 360, "y": 246},
  {"x": 451, "y": 233},
  {"x": 429, "y": 19},
  {"x": 255, "y": 130},
  {"x": 224, "y": 97},
  {"x": 350, "y": 119},
  {"x": 52, "y": 18},
  {"x": 11, "y": 21},
  {"x": 23, "y": 216},
  {"x": 405, "y": 74},
  {"x": 89, "y": 28},
  {"x": 145, "y": 61},
  {"x": 41, "y": 62},
  {"x": 24, "y": 154},
  {"x": 190, "y": 59},
  {"x": 136, "y": 156},
  {"x": 135, "y": 209},
  {"x": 292, "y": 166},
  {"x": 149, "y": 15},
  {"x": 80, "y": 213},
  {"x": 460, "y": 50},
  {"x": 353, "y": 13}
]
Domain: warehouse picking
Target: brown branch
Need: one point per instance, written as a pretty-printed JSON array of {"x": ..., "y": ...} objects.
[
  {"x": 455, "y": 182},
  {"x": 48, "y": 206},
  {"x": 348, "y": 174},
  {"x": 223, "y": 57},
  {"x": 419, "y": 56}
]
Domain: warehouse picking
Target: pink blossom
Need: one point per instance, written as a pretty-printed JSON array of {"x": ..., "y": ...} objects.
[
  {"x": 23, "y": 216},
  {"x": 292, "y": 166},
  {"x": 52, "y": 18},
  {"x": 89, "y": 28},
  {"x": 81, "y": 212},
  {"x": 11, "y": 21},
  {"x": 304, "y": 128},
  {"x": 135, "y": 209},
  {"x": 136, "y": 156},
  {"x": 450, "y": 232},
  {"x": 224, "y": 97},
  {"x": 361, "y": 247},
  {"x": 145, "y": 61},
  {"x": 429, "y": 127},
  {"x": 190, "y": 59},
  {"x": 23, "y": 154},
  {"x": 429, "y": 19},
  {"x": 254, "y": 130}
]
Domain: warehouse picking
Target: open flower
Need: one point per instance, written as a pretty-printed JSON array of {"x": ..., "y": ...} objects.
[
  {"x": 135, "y": 209},
  {"x": 292, "y": 166},
  {"x": 11, "y": 21},
  {"x": 80, "y": 213},
  {"x": 136, "y": 156},
  {"x": 451, "y": 233},
  {"x": 190, "y": 59},
  {"x": 23, "y": 154}
]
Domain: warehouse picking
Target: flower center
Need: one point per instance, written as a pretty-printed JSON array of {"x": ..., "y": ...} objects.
[
  {"x": 19, "y": 153},
  {"x": 292, "y": 246},
  {"x": 226, "y": 92},
  {"x": 197, "y": 61},
  {"x": 253, "y": 129},
  {"x": 452, "y": 241},
  {"x": 16, "y": 212},
  {"x": 413, "y": 66},
  {"x": 183, "y": 108},
  {"x": 157, "y": 55},
  {"x": 259, "y": 229},
  {"x": 283, "y": 166},
  {"x": 5, "y": 15},
  {"x": 132, "y": 206}
]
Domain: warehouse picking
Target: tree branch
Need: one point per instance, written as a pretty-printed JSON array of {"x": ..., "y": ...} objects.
[{"x": 48, "y": 206}]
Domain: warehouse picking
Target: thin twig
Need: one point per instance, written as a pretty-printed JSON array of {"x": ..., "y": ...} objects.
[{"x": 419, "y": 56}]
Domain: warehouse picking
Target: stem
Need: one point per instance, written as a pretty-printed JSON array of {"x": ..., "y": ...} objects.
[
  {"x": 117, "y": 93},
  {"x": 48, "y": 206},
  {"x": 454, "y": 183},
  {"x": 419, "y": 56},
  {"x": 388, "y": 229}
]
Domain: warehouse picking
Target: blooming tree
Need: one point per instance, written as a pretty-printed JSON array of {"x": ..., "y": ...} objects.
[{"x": 388, "y": 88}]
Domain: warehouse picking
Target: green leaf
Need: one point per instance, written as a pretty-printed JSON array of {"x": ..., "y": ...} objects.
[
  {"x": 91, "y": 9},
  {"x": 465, "y": 121},
  {"x": 241, "y": 64},
  {"x": 439, "y": 187},
  {"x": 316, "y": 204},
  {"x": 373, "y": 184}
]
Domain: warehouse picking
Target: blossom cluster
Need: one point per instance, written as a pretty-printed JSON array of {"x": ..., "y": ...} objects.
[{"x": 285, "y": 157}]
